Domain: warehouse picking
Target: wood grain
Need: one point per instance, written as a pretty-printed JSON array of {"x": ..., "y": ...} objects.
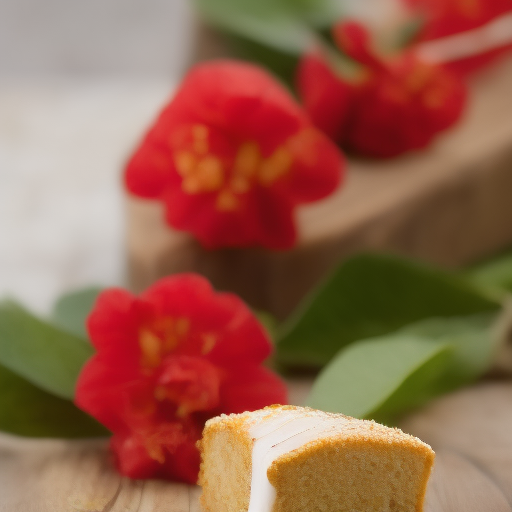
[
  {"x": 449, "y": 205},
  {"x": 471, "y": 432},
  {"x": 475, "y": 423}
]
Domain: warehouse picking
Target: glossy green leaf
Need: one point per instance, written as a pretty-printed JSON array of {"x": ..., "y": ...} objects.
[
  {"x": 282, "y": 24},
  {"x": 473, "y": 342},
  {"x": 72, "y": 309},
  {"x": 372, "y": 295},
  {"x": 26, "y": 410},
  {"x": 494, "y": 275},
  {"x": 380, "y": 378},
  {"x": 45, "y": 355},
  {"x": 367, "y": 374}
]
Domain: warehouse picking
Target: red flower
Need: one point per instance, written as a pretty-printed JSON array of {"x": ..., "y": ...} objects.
[
  {"x": 231, "y": 156},
  {"x": 326, "y": 97},
  {"x": 492, "y": 20},
  {"x": 447, "y": 17},
  {"x": 166, "y": 362},
  {"x": 391, "y": 106}
]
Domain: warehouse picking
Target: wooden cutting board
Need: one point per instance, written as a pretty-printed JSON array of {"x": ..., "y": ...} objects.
[
  {"x": 449, "y": 205},
  {"x": 471, "y": 432}
]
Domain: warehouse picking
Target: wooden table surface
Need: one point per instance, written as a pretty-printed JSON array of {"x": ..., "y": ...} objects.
[{"x": 471, "y": 432}]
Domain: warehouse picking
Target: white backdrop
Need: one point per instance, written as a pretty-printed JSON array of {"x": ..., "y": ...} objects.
[{"x": 79, "y": 83}]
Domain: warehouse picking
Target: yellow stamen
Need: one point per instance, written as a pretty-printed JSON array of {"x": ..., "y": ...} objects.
[
  {"x": 210, "y": 173},
  {"x": 155, "y": 451},
  {"x": 182, "y": 326},
  {"x": 185, "y": 163},
  {"x": 206, "y": 176},
  {"x": 200, "y": 136},
  {"x": 191, "y": 185},
  {"x": 182, "y": 411},
  {"x": 247, "y": 160},
  {"x": 227, "y": 201},
  {"x": 240, "y": 184},
  {"x": 209, "y": 341},
  {"x": 150, "y": 346},
  {"x": 171, "y": 341},
  {"x": 275, "y": 166}
]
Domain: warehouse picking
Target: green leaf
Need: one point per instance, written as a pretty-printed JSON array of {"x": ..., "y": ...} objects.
[
  {"x": 409, "y": 32},
  {"x": 282, "y": 24},
  {"x": 381, "y": 378},
  {"x": 46, "y": 356},
  {"x": 280, "y": 63},
  {"x": 71, "y": 310},
  {"x": 26, "y": 410},
  {"x": 268, "y": 321},
  {"x": 495, "y": 275},
  {"x": 472, "y": 339},
  {"x": 364, "y": 377},
  {"x": 372, "y": 295}
]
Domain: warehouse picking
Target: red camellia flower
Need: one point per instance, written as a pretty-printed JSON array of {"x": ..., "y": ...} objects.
[
  {"x": 392, "y": 105},
  {"x": 166, "y": 362},
  {"x": 482, "y": 30},
  {"x": 231, "y": 156}
]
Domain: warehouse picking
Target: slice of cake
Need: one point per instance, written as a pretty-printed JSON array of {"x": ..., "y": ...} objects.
[{"x": 295, "y": 459}]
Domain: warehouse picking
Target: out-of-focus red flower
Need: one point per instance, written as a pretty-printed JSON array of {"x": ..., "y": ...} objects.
[
  {"x": 166, "y": 362},
  {"x": 326, "y": 97},
  {"x": 393, "y": 105},
  {"x": 447, "y": 17},
  {"x": 444, "y": 18},
  {"x": 231, "y": 156}
]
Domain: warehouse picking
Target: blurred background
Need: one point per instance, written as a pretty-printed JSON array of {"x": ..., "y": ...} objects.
[
  {"x": 68, "y": 69},
  {"x": 81, "y": 81}
]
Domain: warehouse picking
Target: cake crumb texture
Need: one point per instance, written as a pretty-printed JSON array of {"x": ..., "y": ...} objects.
[{"x": 357, "y": 466}]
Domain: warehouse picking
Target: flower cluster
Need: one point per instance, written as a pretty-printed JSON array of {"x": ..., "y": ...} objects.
[
  {"x": 166, "y": 362},
  {"x": 390, "y": 105},
  {"x": 231, "y": 156}
]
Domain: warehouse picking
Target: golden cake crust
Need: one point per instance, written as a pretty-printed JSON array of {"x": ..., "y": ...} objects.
[{"x": 367, "y": 446}]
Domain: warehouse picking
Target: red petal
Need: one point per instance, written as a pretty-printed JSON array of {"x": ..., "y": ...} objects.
[
  {"x": 180, "y": 294},
  {"x": 132, "y": 458},
  {"x": 149, "y": 170},
  {"x": 239, "y": 337},
  {"x": 317, "y": 169},
  {"x": 243, "y": 339},
  {"x": 183, "y": 464},
  {"x": 105, "y": 389},
  {"x": 354, "y": 40},
  {"x": 276, "y": 217},
  {"x": 325, "y": 96},
  {"x": 252, "y": 388},
  {"x": 263, "y": 218},
  {"x": 114, "y": 321},
  {"x": 237, "y": 97},
  {"x": 390, "y": 118},
  {"x": 266, "y": 118}
]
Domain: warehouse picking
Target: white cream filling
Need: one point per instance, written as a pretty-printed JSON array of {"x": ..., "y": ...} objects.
[
  {"x": 275, "y": 436},
  {"x": 493, "y": 35}
]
